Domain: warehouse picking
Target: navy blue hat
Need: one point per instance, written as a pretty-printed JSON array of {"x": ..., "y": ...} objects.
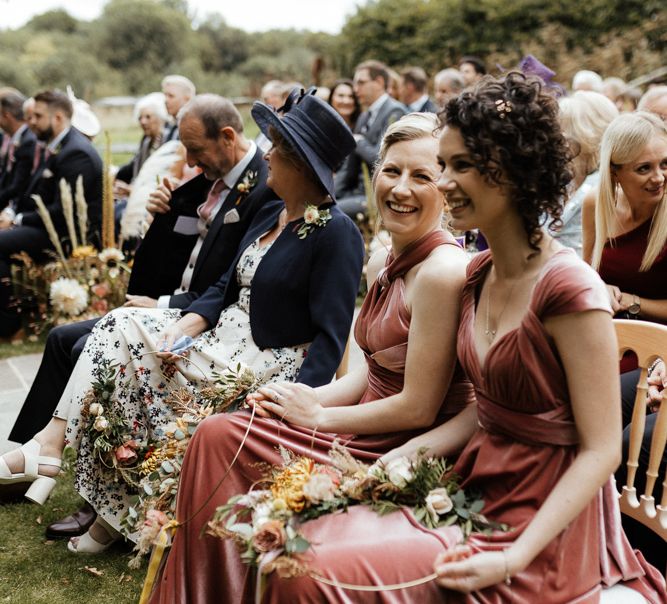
[{"x": 313, "y": 129}]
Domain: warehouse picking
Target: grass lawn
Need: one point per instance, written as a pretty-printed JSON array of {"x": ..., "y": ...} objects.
[
  {"x": 34, "y": 570},
  {"x": 8, "y": 349}
]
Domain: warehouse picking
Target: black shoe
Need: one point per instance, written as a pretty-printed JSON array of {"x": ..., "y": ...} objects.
[{"x": 72, "y": 526}]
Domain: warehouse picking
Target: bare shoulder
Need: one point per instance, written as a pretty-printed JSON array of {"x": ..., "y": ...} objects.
[
  {"x": 445, "y": 264},
  {"x": 588, "y": 203}
]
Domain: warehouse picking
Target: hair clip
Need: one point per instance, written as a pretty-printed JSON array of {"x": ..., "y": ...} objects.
[{"x": 503, "y": 107}]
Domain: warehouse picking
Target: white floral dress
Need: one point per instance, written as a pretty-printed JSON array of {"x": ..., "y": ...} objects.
[{"x": 124, "y": 337}]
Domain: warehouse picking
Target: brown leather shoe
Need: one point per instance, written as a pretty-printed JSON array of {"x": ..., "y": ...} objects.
[{"x": 72, "y": 526}]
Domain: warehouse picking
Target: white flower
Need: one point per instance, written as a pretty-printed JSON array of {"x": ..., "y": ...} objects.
[
  {"x": 101, "y": 423},
  {"x": 68, "y": 296},
  {"x": 96, "y": 409},
  {"x": 320, "y": 487},
  {"x": 111, "y": 254},
  {"x": 438, "y": 503},
  {"x": 93, "y": 273},
  {"x": 261, "y": 514},
  {"x": 113, "y": 273},
  {"x": 399, "y": 471},
  {"x": 311, "y": 215}
]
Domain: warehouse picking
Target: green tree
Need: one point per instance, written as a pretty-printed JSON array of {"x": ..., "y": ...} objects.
[
  {"x": 142, "y": 39},
  {"x": 54, "y": 20}
]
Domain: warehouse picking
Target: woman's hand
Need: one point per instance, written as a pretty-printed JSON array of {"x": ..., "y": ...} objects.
[
  {"x": 657, "y": 382},
  {"x": 296, "y": 403},
  {"x": 614, "y": 298},
  {"x": 165, "y": 342},
  {"x": 462, "y": 570}
]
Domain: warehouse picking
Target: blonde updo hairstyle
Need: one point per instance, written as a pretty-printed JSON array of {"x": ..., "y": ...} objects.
[
  {"x": 584, "y": 117},
  {"x": 623, "y": 141},
  {"x": 410, "y": 127}
]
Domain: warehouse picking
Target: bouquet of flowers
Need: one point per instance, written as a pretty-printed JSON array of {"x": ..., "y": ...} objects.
[
  {"x": 265, "y": 522},
  {"x": 82, "y": 285},
  {"x": 149, "y": 466}
]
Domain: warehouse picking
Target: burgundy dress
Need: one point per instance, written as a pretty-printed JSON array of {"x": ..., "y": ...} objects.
[
  {"x": 526, "y": 441},
  {"x": 619, "y": 266},
  {"x": 204, "y": 569}
]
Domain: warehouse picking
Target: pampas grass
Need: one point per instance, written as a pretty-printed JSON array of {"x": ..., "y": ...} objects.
[
  {"x": 51, "y": 230},
  {"x": 68, "y": 211},
  {"x": 81, "y": 209}
]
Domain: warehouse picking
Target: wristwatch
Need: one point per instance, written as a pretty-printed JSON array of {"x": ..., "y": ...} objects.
[{"x": 635, "y": 308}]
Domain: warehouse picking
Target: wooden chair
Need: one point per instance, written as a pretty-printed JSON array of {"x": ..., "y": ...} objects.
[{"x": 649, "y": 342}]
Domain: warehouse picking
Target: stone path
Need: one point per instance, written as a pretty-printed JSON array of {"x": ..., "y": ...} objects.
[{"x": 17, "y": 374}]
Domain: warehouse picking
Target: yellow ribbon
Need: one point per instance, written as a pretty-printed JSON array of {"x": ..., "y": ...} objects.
[{"x": 161, "y": 543}]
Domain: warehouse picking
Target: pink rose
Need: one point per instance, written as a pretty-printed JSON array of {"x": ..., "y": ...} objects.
[
  {"x": 126, "y": 453},
  {"x": 156, "y": 518},
  {"x": 101, "y": 306},
  {"x": 101, "y": 290},
  {"x": 270, "y": 535}
]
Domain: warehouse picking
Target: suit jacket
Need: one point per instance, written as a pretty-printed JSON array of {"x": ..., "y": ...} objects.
[
  {"x": 74, "y": 156},
  {"x": 429, "y": 107},
  {"x": 348, "y": 179},
  {"x": 164, "y": 253},
  {"x": 304, "y": 290},
  {"x": 129, "y": 171},
  {"x": 16, "y": 175}
]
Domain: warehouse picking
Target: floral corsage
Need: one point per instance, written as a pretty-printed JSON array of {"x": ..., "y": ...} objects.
[
  {"x": 246, "y": 185},
  {"x": 313, "y": 217}
]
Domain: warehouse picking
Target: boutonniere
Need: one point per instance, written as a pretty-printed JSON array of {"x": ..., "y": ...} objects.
[
  {"x": 313, "y": 217},
  {"x": 246, "y": 185}
]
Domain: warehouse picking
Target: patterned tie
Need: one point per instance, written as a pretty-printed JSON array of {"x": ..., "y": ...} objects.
[
  {"x": 212, "y": 200},
  {"x": 39, "y": 157}
]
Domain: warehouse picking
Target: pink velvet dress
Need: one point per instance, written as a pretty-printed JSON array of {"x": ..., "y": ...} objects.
[
  {"x": 526, "y": 441},
  {"x": 203, "y": 569}
]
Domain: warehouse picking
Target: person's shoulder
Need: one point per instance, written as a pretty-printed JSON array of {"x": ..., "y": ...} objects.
[
  {"x": 568, "y": 284},
  {"x": 444, "y": 267}
]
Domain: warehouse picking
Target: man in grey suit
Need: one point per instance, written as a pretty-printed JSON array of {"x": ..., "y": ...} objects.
[{"x": 370, "y": 85}]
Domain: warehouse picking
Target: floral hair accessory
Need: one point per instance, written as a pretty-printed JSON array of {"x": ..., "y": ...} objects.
[
  {"x": 503, "y": 107},
  {"x": 313, "y": 217},
  {"x": 246, "y": 185}
]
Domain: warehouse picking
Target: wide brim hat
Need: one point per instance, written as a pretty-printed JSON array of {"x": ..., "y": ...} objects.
[{"x": 314, "y": 130}]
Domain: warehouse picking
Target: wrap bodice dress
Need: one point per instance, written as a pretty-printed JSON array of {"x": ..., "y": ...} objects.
[
  {"x": 201, "y": 568},
  {"x": 526, "y": 441}
]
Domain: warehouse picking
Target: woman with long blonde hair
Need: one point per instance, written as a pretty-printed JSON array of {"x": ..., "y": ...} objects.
[{"x": 625, "y": 230}]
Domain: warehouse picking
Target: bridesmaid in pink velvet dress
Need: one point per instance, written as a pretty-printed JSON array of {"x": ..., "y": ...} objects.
[
  {"x": 403, "y": 390},
  {"x": 536, "y": 340}
]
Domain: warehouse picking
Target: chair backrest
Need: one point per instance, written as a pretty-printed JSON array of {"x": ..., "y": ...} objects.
[{"x": 649, "y": 342}]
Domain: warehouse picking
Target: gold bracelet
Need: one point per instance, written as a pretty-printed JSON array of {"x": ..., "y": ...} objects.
[{"x": 508, "y": 577}]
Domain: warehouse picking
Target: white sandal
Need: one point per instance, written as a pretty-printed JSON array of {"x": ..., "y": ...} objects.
[
  {"x": 41, "y": 486},
  {"x": 87, "y": 544}
]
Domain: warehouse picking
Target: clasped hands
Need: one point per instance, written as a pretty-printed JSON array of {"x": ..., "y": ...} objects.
[{"x": 297, "y": 403}]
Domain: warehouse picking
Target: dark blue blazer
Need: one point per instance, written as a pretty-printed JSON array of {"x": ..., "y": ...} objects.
[
  {"x": 304, "y": 290},
  {"x": 163, "y": 254},
  {"x": 74, "y": 156},
  {"x": 14, "y": 180}
]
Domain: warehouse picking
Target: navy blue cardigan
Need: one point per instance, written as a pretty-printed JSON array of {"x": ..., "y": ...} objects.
[{"x": 304, "y": 290}]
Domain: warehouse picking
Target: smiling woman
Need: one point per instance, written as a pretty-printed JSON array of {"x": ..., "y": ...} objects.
[
  {"x": 625, "y": 229},
  {"x": 411, "y": 380}
]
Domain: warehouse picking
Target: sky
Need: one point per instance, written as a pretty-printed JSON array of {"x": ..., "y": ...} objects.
[{"x": 250, "y": 15}]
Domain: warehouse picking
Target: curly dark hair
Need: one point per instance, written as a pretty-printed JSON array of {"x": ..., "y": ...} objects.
[{"x": 510, "y": 127}]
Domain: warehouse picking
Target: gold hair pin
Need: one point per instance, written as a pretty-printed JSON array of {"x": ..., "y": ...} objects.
[{"x": 503, "y": 107}]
